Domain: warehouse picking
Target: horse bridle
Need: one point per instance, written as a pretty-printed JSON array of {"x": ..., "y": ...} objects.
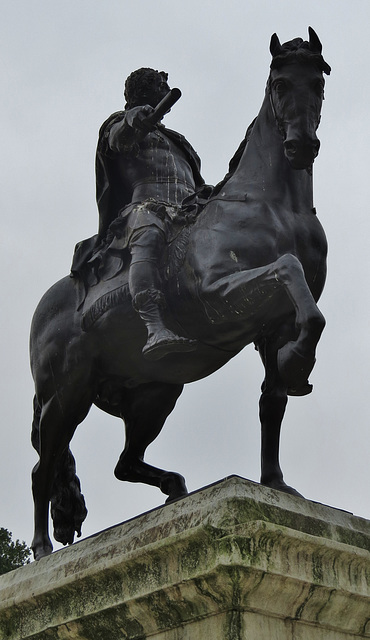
[{"x": 279, "y": 121}]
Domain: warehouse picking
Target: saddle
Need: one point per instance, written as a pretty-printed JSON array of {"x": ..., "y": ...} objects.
[{"x": 103, "y": 283}]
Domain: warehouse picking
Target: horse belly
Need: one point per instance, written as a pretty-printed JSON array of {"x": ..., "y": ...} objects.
[{"x": 122, "y": 364}]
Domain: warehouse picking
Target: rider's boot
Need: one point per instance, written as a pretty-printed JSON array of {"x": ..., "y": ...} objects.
[{"x": 150, "y": 304}]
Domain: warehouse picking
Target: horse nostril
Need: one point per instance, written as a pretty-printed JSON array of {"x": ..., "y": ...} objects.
[
  {"x": 290, "y": 146},
  {"x": 293, "y": 146}
]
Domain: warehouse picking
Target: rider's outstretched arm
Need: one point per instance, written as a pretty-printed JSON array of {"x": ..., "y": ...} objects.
[{"x": 133, "y": 127}]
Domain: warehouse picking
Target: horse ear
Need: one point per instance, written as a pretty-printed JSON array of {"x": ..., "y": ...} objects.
[
  {"x": 314, "y": 43},
  {"x": 275, "y": 46}
]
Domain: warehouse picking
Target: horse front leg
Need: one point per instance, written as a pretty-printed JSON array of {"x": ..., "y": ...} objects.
[
  {"x": 245, "y": 292},
  {"x": 297, "y": 357},
  {"x": 272, "y": 407}
]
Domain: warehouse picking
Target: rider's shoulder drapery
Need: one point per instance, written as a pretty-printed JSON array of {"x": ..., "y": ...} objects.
[{"x": 111, "y": 194}]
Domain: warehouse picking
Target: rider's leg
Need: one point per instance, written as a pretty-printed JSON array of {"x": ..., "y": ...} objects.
[{"x": 146, "y": 247}]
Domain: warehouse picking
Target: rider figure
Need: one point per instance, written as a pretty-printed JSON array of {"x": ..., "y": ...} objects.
[{"x": 144, "y": 172}]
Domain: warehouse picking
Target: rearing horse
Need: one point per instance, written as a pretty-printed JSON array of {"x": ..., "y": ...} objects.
[{"x": 253, "y": 270}]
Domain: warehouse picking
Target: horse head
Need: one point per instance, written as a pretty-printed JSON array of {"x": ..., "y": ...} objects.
[{"x": 296, "y": 90}]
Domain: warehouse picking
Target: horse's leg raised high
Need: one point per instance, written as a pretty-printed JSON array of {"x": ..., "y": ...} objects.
[
  {"x": 247, "y": 290},
  {"x": 273, "y": 402},
  {"x": 144, "y": 410}
]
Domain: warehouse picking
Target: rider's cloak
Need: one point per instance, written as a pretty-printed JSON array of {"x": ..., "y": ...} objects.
[{"x": 111, "y": 195}]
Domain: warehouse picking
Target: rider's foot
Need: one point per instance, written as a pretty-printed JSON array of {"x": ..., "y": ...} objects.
[{"x": 164, "y": 342}]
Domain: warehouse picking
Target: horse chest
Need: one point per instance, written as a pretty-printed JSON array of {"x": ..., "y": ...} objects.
[
  {"x": 245, "y": 237},
  {"x": 265, "y": 233},
  {"x": 282, "y": 230},
  {"x": 310, "y": 244}
]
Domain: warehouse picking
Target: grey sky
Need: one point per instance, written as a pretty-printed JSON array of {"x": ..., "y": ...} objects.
[{"x": 64, "y": 65}]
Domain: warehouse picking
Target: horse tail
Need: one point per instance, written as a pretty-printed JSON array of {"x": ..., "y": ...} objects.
[{"x": 68, "y": 508}]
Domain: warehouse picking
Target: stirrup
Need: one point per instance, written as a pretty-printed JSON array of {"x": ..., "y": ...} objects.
[{"x": 155, "y": 349}]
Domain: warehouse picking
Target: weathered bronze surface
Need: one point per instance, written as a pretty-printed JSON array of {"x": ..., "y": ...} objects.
[{"x": 176, "y": 283}]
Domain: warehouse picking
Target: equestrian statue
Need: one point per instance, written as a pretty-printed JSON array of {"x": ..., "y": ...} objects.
[{"x": 180, "y": 277}]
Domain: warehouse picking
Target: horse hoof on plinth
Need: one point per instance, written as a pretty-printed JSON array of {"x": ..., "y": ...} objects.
[
  {"x": 280, "y": 485},
  {"x": 41, "y": 550}
]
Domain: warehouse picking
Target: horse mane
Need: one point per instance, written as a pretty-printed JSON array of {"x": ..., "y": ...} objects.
[{"x": 234, "y": 162}]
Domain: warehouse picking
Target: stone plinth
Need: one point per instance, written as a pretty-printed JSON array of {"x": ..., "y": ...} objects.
[{"x": 234, "y": 561}]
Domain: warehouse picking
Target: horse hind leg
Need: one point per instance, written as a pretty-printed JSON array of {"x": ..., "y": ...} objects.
[
  {"x": 54, "y": 425},
  {"x": 144, "y": 410},
  {"x": 41, "y": 544}
]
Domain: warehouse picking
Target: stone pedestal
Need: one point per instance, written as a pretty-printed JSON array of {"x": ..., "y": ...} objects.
[{"x": 234, "y": 561}]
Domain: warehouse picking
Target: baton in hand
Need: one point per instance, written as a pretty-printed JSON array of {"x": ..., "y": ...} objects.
[{"x": 164, "y": 106}]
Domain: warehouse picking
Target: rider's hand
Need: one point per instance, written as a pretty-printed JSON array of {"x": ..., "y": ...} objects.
[{"x": 137, "y": 118}]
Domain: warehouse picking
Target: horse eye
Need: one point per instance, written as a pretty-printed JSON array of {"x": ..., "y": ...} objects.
[{"x": 280, "y": 86}]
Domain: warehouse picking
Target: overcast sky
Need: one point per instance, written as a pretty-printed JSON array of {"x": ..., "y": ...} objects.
[{"x": 64, "y": 65}]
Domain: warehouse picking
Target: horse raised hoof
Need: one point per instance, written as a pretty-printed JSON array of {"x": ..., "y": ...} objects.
[
  {"x": 304, "y": 390},
  {"x": 165, "y": 342},
  {"x": 294, "y": 368}
]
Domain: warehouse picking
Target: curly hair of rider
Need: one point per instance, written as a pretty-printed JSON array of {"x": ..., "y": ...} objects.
[{"x": 139, "y": 84}]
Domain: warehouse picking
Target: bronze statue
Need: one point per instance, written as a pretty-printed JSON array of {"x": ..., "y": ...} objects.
[{"x": 249, "y": 268}]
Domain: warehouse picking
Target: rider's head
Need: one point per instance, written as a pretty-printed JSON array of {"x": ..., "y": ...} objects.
[{"x": 145, "y": 86}]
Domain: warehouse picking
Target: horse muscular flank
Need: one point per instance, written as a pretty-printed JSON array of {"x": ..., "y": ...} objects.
[{"x": 252, "y": 272}]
